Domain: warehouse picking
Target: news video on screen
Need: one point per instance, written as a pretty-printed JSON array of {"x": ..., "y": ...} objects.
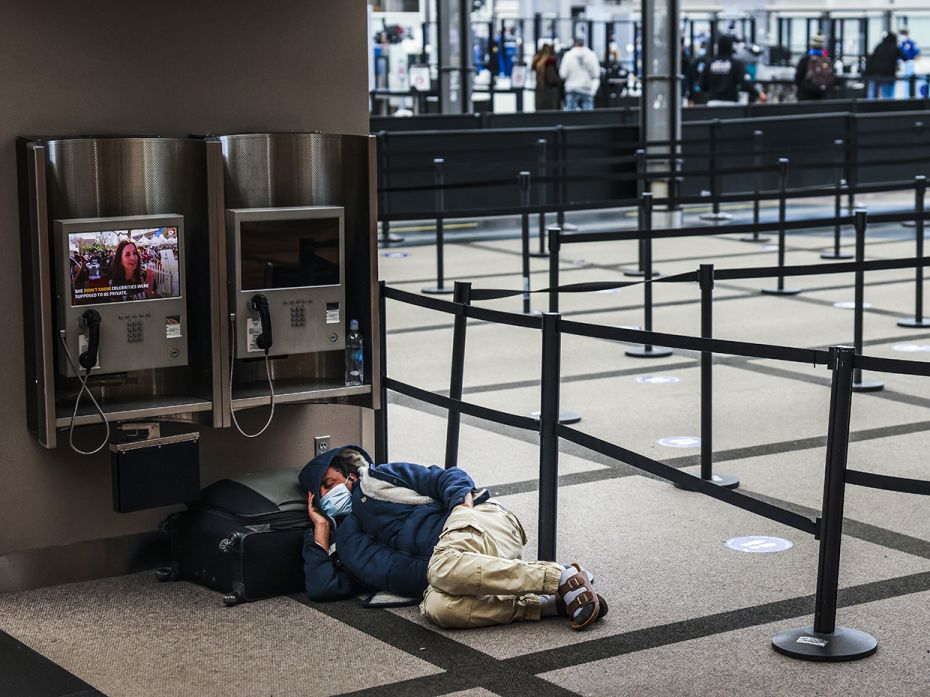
[{"x": 111, "y": 266}]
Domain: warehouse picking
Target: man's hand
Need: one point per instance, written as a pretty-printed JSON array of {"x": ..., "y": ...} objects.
[
  {"x": 763, "y": 97},
  {"x": 320, "y": 524},
  {"x": 468, "y": 502}
]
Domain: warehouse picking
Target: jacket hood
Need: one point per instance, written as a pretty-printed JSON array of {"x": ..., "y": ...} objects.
[{"x": 311, "y": 475}]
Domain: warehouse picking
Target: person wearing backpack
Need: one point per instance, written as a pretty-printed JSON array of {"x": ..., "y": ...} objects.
[{"x": 815, "y": 77}]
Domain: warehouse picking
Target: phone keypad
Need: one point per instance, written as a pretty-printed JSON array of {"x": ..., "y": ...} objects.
[
  {"x": 298, "y": 315},
  {"x": 134, "y": 331}
]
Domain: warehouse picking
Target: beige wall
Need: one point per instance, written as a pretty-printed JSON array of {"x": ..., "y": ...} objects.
[{"x": 170, "y": 68}]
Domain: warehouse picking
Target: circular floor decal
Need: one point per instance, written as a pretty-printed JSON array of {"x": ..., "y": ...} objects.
[
  {"x": 850, "y": 305},
  {"x": 770, "y": 248},
  {"x": 634, "y": 327},
  {"x": 680, "y": 442},
  {"x": 609, "y": 290},
  {"x": 657, "y": 380},
  {"x": 912, "y": 348},
  {"x": 758, "y": 544},
  {"x": 395, "y": 255},
  {"x": 578, "y": 262}
]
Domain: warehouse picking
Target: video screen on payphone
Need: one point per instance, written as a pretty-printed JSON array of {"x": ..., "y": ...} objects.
[
  {"x": 289, "y": 253},
  {"x": 110, "y": 266}
]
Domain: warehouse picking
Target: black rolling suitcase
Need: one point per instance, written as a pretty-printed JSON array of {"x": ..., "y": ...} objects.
[{"x": 244, "y": 537}]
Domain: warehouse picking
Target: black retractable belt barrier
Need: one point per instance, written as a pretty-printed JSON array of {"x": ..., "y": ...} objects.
[
  {"x": 548, "y": 437},
  {"x": 440, "y": 288},
  {"x": 714, "y": 177},
  {"x": 461, "y": 297},
  {"x": 381, "y": 416},
  {"x": 645, "y": 226},
  {"x": 920, "y": 193},
  {"x": 782, "y": 215},
  {"x": 860, "y": 385},
  {"x": 756, "y": 201},
  {"x": 525, "y": 238},
  {"x": 543, "y": 175},
  {"x": 840, "y": 185},
  {"x": 825, "y": 641}
]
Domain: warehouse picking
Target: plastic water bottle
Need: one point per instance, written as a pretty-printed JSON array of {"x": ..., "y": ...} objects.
[{"x": 355, "y": 357}]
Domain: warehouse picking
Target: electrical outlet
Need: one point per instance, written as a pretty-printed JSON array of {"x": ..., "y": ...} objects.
[{"x": 320, "y": 444}]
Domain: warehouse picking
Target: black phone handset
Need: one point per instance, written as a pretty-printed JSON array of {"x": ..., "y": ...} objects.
[
  {"x": 87, "y": 360},
  {"x": 259, "y": 303},
  {"x": 264, "y": 341},
  {"x": 91, "y": 320}
]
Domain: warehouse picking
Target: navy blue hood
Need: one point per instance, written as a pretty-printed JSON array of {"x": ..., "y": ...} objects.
[{"x": 311, "y": 475}]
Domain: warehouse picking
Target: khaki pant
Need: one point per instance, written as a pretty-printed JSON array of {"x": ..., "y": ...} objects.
[{"x": 476, "y": 576}]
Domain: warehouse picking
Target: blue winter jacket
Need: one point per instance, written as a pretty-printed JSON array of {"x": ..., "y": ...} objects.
[{"x": 398, "y": 512}]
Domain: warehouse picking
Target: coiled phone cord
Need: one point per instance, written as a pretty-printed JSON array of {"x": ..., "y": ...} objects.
[
  {"x": 232, "y": 364},
  {"x": 77, "y": 403}
]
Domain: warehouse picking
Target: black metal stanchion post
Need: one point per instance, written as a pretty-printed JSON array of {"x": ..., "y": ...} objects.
[
  {"x": 639, "y": 269},
  {"x": 555, "y": 246},
  {"x": 714, "y": 179},
  {"x": 782, "y": 215},
  {"x": 824, "y": 641},
  {"x": 756, "y": 162},
  {"x": 461, "y": 296},
  {"x": 727, "y": 481},
  {"x": 381, "y": 416},
  {"x": 647, "y": 350},
  {"x": 919, "y": 149},
  {"x": 920, "y": 193},
  {"x": 440, "y": 288},
  {"x": 562, "y": 169},
  {"x": 860, "y": 385},
  {"x": 548, "y": 436},
  {"x": 525, "y": 238},
  {"x": 386, "y": 237},
  {"x": 852, "y": 159},
  {"x": 840, "y": 184},
  {"x": 544, "y": 177}
]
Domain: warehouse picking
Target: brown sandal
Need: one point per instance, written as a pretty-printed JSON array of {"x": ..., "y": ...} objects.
[{"x": 588, "y": 601}]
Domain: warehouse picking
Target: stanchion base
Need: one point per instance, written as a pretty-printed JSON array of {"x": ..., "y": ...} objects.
[
  {"x": 565, "y": 417},
  {"x": 831, "y": 254},
  {"x": 391, "y": 239},
  {"x": 914, "y": 322},
  {"x": 868, "y": 386},
  {"x": 648, "y": 352},
  {"x": 908, "y": 223},
  {"x": 842, "y": 644},
  {"x": 639, "y": 273},
  {"x": 715, "y": 216},
  {"x": 437, "y": 291},
  {"x": 540, "y": 255},
  {"x": 569, "y": 227},
  {"x": 780, "y": 291},
  {"x": 760, "y": 240},
  {"x": 727, "y": 481}
]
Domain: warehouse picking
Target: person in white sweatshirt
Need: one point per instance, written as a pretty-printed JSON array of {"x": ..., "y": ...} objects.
[{"x": 581, "y": 72}]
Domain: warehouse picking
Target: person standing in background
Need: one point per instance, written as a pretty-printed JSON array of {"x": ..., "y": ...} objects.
[
  {"x": 909, "y": 51},
  {"x": 725, "y": 77},
  {"x": 548, "y": 82},
  {"x": 814, "y": 76},
  {"x": 882, "y": 66},
  {"x": 581, "y": 72}
]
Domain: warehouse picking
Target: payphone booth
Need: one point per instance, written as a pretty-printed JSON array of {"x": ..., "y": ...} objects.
[
  {"x": 116, "y": 250},
  {"x": 299, "y": 238}
]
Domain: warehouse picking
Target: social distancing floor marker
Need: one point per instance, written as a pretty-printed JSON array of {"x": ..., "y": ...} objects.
[
  {"x": 850, "y": 305},
  {"x": 759, "y": 544},
  {"x": 680, "y": 442},
  {"x": 395, "y": 255},
  {"x": 657, "y": 380},
  {"x": 912, "y": 348}
]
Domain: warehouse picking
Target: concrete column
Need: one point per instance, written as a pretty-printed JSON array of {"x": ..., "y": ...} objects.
[
  {"x": 661, "y": 96},
  {"x": 454, "y": 43}
]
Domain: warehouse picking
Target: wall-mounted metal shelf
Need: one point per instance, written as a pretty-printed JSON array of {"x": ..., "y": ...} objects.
[
  {"x": 131, "y": 410},
  {"x": 293, "y": 390}
]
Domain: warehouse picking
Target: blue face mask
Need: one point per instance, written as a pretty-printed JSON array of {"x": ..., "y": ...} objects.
[{"x": 337, "y": 502}]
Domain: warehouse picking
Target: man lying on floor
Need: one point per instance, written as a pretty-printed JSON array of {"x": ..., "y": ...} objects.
[{"x": 426, "y": 532}]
